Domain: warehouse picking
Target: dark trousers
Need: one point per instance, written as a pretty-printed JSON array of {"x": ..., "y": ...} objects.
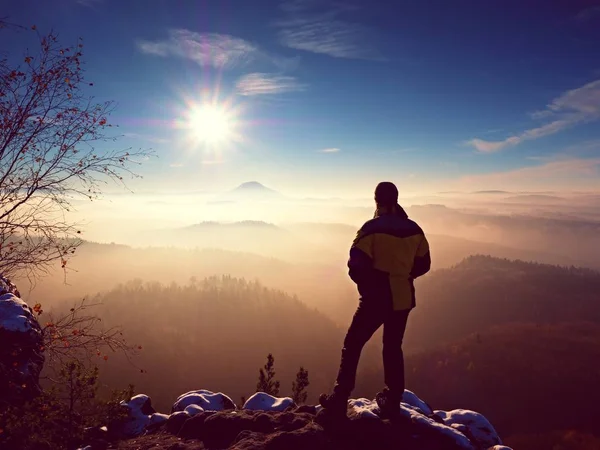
[{"x": 369, "y": 316}]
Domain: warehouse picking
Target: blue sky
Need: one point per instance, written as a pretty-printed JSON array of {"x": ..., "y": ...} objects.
[{"x": 328, "y": 97}]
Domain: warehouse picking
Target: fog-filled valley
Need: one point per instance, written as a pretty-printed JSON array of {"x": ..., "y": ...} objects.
[{"x": 508, "y": 320}]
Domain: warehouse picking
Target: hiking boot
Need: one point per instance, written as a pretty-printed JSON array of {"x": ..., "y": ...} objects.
[
  {"x": 335, "y": 403},
  {"x": 389, "y": 404}
]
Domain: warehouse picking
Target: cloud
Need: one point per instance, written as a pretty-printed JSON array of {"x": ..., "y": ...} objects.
[
  {"x": 176, "y": 165},
  {"x": 205, "y": 49},
  {"x": 264, "y": 83},
  {"x": 573, "y": 107},
  {"x": 588, "y": 13},
  {"x": 324, "y": 32},
  {"x": 550, "y": 172},
  {"x": 146, "y": 137},
  {"x": 330, "y": 150}
]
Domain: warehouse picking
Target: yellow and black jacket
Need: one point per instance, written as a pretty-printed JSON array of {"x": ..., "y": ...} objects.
[{"x": 389, "y": 252}]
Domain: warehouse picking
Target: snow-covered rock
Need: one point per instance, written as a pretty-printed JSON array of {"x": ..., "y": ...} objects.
[
  {"x": 473, "y": 425},
  {"x": 468, "y": 429},
  {"x": 21, "y": 348},
  {"x": 365, "y": 408},
  {"x": 410, "y": 398},
  {"x": 157, "y": 419},
  {"x": 140, "y": 414},
  {"x": 455, "y": 430},
  {"x": 265, "y": 402},
  {"x": 207, "y": 400},
  {"x": 192, "y": 409},
  {"x": 416, "y": 417}
]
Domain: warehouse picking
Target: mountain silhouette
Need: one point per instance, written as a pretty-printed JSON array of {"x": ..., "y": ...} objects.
[
  {"x": 254, "y": 186},
  {"x": 254, "y": 190}
]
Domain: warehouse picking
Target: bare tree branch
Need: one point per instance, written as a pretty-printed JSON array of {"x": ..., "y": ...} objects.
[{"x": 54, "y": 148}]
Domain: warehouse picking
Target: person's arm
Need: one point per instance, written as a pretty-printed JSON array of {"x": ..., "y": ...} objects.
[
  {"x": 422, "y": 261},
  {"x": 360, "y": 263}
]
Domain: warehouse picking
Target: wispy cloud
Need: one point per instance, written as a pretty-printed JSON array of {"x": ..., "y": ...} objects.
[
  {"x": 571, "y": 108},
  {"x": 146, "y": 137},
  {"x": 264, "y": 83},
  {"x": 588, "y": 13},
  {"x": 550, "y": 172},
  {"x": 205, "y": 49},
  {"x": 330, "y": 150},
  {"x": 176, "y": 165},
  {"x": 324, "y": 31}
]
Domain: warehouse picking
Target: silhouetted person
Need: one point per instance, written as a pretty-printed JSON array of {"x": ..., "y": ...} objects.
[{"x": 388, "y": 253}]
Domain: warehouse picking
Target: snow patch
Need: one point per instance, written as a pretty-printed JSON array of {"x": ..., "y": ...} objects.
[
  {"x": 364, "y": 408},
  {"x": 138, "y": 420},
  {"x": 206, "y": 400},
  {"x": 15, "y": 315},
  {"x": 473, "y": 425},
  {"x": 410, "y": 398},
  {"x": 158, "y": 419},
  {"x": 413, "y": 411},
  {"x": 265, "y": 402},
  {"x": 192, "y": 410},
  {"x": 415, "y": 416}
]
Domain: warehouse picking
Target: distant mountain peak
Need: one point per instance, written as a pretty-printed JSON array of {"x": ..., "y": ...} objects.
[
  {"x": 253, "y": 190},
  {"x": 253, "y": 186}
]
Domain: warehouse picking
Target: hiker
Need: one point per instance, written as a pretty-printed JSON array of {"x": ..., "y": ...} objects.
[{"x": 388, "y": 253}]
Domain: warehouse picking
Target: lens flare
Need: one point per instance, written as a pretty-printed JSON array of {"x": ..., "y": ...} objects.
[{"x": 210, "y": 123}]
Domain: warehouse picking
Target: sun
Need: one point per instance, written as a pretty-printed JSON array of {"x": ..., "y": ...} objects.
[{"x": 210, "y": 123}]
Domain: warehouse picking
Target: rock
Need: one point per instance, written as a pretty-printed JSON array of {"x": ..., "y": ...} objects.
[
  {"x": 473, "y": 425},
  {"x": 263, "y": 423},
  {"x": 249, "y": 440},
  {"x": 362, "y": 407},
  {"x": 221, "y": 429},
  {"x": 207, "y": 400},
  {"x": 192, "y": 410},
  {"x": 271, "y": 423},
  {"x": 307, "y": 409},
  {"x": 157, "y": 420},
  {"x": 193, "y": 427},
  {"x": 139, "y": 416},
  {"x": 265, "y": 402},
  {"x": 95, "y": 433},
  {"x": 293, "y": 421},
  {"x": 176, "y": 421},
  {"x": 21, "y": 352},
  {"x": 310, "y": 437},
  {"x": 409, "y": 398}
]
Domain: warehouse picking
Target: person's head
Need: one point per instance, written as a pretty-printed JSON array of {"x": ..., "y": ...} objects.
[{"x": 386, "y": 194}]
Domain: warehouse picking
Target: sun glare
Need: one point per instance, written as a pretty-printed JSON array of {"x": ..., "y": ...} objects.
[{"x": 210, "y": 124}]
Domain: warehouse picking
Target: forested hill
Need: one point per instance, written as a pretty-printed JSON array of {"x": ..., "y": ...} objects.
[
  {"x": 216, "y": 333},
  {"x": 483, "y": 291},
  {"x": 525, "y": 378}
]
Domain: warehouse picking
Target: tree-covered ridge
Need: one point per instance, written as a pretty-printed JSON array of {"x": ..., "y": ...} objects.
[
  {"x": 214, "y": 333},
  {"x": 483, "y": 291},
  {"x": 481, "y": 262},
  {"x": 525, "y": 377}
]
